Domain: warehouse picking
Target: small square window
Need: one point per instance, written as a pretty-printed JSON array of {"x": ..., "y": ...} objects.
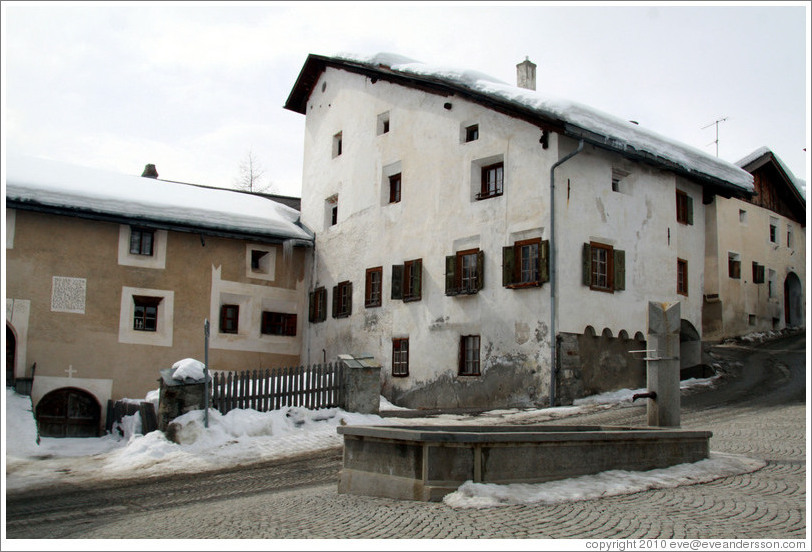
[
  {"x": 383, "y": 123},
  {"x": 751, "y": 319},
  {"x": 141, "y": 240},
  {"x": 617, "y": 179},
  {"x": 400, "y": 357},
  {"x": 469, "y": 355},
  {"x": 471, "y": 133},
  {"x": 229, "y": 319}
]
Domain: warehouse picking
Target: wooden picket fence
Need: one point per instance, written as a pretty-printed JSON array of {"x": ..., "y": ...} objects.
[{"x": 319, "y": 386}]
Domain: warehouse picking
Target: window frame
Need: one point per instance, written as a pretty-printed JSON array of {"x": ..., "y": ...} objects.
[
  {"x": 471, "y": 133},
  {"x": 608, "y": 273},
  {"x": 682, "y": 277},
  {"x": 342, "y": 299},
  {"x": 485, "y": 184},
  {"x": 400, "y": 357},
  {"x": 395, "y": 187},
  {"x": 373, "y": 297},
  {"x": 456, "y": 280},
  {"x": 685, "y": 208},
  {"x": 146, "y": 303},
  {"x": 230, "y": 313},
  {"x": 469, "y": 367},
  {"x": 513, "y": 257},
  {"x": 338, "y": 144},
  {"x": 318, "y": 305},
  {"x": 734, "y": 266},
  {"x": 138, "y": 248},
  {"x": 278, "y": 323},
  {"x": 413, "y": 280}
]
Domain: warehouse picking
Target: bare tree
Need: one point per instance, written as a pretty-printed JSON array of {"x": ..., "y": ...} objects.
[{"x": 251, "y": 171}]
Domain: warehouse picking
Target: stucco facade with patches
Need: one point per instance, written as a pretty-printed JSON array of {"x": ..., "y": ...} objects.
[
  {"x": 73, "y": 287},
  {"x": 348, "y": 202}
]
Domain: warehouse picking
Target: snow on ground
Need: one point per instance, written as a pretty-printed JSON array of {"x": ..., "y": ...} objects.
[{"x": 245, "y": 436}]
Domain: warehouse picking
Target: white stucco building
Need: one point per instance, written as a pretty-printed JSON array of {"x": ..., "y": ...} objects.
[
  {"x": 430, "y": 193},
  {"x": 755, "y": 269}
]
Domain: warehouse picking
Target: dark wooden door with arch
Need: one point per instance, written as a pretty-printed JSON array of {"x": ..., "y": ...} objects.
[{"x": 68, "y": 412}]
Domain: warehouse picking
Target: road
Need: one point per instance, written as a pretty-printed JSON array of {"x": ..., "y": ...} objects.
[{"x": 758, "y": 411}]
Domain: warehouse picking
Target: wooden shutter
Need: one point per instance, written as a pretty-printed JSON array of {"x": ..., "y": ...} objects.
[
  {"x": 322, "y": 300},
  {"x": 586, "y": 260},
  {"x": 620, "y": 269},
  {"x": 689, "y": 209},
  {"x": 335, "y": 301},
  {"x": 289, "y": 325},
  {"x": 349, "y": 298},
  {"x": 480, "y": 270},
  {"x": 417, "y": 267},
  {"x": 508, "y": 265},
  {"x": 451, "y": 275},
  {"x": 397, "y": 282},
  {"x": 312, "y": 313},
  {"x": 544, "y": 261}
]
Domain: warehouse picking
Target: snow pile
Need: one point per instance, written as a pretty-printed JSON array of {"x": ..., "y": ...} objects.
[
  {"x": 618, "y": 132},
  {"x": 46, "y": 182},
  {"x": 608, "y": 483},
  {"x": 188, "y": 370}
]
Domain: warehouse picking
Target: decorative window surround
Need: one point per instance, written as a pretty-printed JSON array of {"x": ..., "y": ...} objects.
[
  {"x": 260, "y": 262},
  {"x": 163, "y": 334},
  {"x": 158, "y": 258}
]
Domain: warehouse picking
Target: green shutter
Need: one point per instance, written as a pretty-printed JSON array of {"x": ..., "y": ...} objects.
[
  {"x": 349, "y": 298},
  {"x": 544, "y": 262},
  {"x": 480, "y": 270},
  {"x": 335, "y": 301},
  {"x": 451, "y": 275},
  {"x": 620, "y": 269},
  {"x": 508, "y": 265},
  {"x": 689, "y": 206},
  {"x": 397, "y": 282},
  {"x": 586, "y": 261}
]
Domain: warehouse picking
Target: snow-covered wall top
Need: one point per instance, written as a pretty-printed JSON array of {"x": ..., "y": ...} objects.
[
  {"x": 61, "y": 185},
  {"x": 689, "y": 159}
]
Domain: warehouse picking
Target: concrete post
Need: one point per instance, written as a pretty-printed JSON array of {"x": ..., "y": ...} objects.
[
  {"x": 663, "y": 364},
  {"x": 362, "y": 384}
]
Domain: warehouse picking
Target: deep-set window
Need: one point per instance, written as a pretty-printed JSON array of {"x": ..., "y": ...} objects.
[
  {"x": 734, "y": 266},
  {"x": 383, "y": 123},
  {"x": 318, "y": 305},
  {"x": 471, "y": 133},
  {"x": 338, "y": 144},
  {"x": 773, "y": 230},
  {"x": 682, "y": 276},
  {"x": 604, "y": 267},
  {"x": 464, "y": 272},
  {"x": 469, "y": 355},
  {"x": 342, "y": 300},
  {"x": 373, "y": 287},
  {"x": 278, "y": 323},
  {"x": 229, "y": 319},
  {"x": 400, "y": 357},
  {"x": 685, "y": 208},
  {"x": 407, "y": 280},
  {"x": 141, "y": 241},
  {"x": 394, "y": 188},
  {"x": 145, "y": 313},
  {"x": 493, "y": 177},
  {"x": 758, "y": 273},
  {"x": 526, "y": 263}
]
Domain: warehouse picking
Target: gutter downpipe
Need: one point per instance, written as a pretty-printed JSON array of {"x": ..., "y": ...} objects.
[{"x": 553, "y": 337}]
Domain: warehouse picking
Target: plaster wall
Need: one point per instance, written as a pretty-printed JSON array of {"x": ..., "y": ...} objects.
[{"x": 438, "y": 215}]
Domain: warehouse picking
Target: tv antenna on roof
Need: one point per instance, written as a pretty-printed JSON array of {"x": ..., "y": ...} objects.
[{"x": 716, "y": 122}]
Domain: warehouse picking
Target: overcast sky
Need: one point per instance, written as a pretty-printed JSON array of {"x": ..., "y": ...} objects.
[{"x": 192, "y": 87}]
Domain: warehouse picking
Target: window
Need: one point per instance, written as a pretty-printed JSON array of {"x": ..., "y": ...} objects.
[
  {"x": 141, "y": 240},
  {"x": 383, "y": 123},
  {"x": 407, "y": 280},
  {"x": 758, "y": 273},
  {"x": 682, "y": 276},
  {"x": 331, "y": 211},
  {"x": 751, "y": 319},
  {"x": 318, "y": 305},
  {"x": 469, "y": 355},
  {"x": 278, "y": 323},
  {"x": 400, "y": 357},
  {"x": 394, "y": 188},
  {"x": 526, "y": 263},
  {"x": 617, "y": 176},
  {"x": 492, "y": 181},
  {"x": 145, "y": 313},
  {"x": 256, "y": 258},
  {"x": 342, "y": 300},
  {"x": 260, "y": 262},
  {"x": 373, "y": 288},
  {"x": 471, "y": 133},
  {"x": 773, "y": 230},
  {"x": 337, "y": 145},
  {"x": 685, "y": 208},
  {"x": 742, "y": 216},
  {"x": 734, "y": 266},
  {"x": 604, "y": 267},
  {"x": 229, "y": 319},
  {"x": 464, "y": 272},
  {"x": 789, "y": 236}
]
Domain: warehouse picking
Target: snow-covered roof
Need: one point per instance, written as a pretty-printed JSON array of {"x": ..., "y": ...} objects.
[
  {"x": 799, "y": 183},
  {"x": 571, "y": 118},
  {"x": 50, "y": 185}
]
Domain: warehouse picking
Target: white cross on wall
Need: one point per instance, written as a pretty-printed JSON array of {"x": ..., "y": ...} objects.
[{"x": 70, "y": 371}]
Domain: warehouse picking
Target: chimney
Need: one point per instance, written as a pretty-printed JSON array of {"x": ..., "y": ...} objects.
[
  {"x": 150, "y": 171},
  {"x": 526, "y": 74}
]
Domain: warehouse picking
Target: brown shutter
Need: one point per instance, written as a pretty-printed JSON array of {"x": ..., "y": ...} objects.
[
  {"x": 689, "y": 209},
  {"x": 417, "y": 267},
  {"x": 397, "y": 281},
  {"x": 335, "y": 301},
  {"x": 620, "y": 269},
  {"x": 290, "y": 324},
  {"x": 349, "y": 298},
  {"x": 586, "y": 259},
  {"x": 480, "y": 270},
  {"x": 544, "y": 261},
  {"x": 312, "y": 313},
  {"x": 508, "y": 265},
  {"x": 451, "y": 275}
]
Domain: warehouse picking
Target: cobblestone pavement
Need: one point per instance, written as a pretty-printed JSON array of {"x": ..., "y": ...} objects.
[{"x": 768, "y": 503}]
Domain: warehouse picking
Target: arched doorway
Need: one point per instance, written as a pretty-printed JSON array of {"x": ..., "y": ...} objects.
[
  {"x": 68, "y": 412},
  {"x": 11, "y": 355},
  {"x": 690, "y": 351},
  {"x": 793, "y": 300}
]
